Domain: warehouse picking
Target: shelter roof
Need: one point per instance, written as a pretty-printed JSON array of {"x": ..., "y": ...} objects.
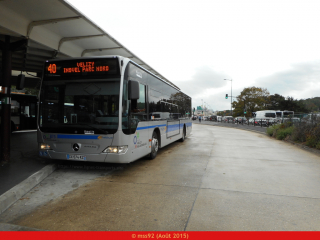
[{"x": 56, "y": 29}]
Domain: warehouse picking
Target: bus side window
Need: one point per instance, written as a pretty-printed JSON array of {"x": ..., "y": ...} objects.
[{"x": 138, "y": 107}]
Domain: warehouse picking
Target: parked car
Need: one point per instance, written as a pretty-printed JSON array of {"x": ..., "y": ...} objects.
[
  {"x": 213, "y": 118},
  {"x": 253, "y": 121},
  {"x": 293, "y": 120},
  {"x": 240, "y": 120},
  {"x": 227, "y": 119},
  {"x": 263, "y": 122}
]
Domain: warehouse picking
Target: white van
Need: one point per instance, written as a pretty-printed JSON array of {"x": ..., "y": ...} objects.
[{"x": 266, "y": 114}]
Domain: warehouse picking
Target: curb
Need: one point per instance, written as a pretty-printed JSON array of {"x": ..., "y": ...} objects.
[
  {"x": 245, "y": 129},
  {"x": 18, "y": 191},
  {"x": 303, "y": 147},
  {"x": 12, "y": 227}
]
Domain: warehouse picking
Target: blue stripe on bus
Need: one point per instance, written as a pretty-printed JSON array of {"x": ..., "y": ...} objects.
[
  {"x": 141, "y": 128},
  {"x": 77, "y": 136},
  {"x": 170, "y": 127},
  {"x": 173, "y": 127}
]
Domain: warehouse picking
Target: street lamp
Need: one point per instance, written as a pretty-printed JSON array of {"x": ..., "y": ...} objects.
[
  {"x": 231, "y": 93},
  {"x": 205, "y": 110}
]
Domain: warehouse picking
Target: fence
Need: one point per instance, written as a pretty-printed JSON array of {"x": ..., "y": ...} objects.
[{"x": 299, "y": 118}]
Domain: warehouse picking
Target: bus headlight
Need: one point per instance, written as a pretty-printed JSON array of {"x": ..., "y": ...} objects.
[
  {"x": 116, "y": 149},
  {"x": 44, "y": 146}
]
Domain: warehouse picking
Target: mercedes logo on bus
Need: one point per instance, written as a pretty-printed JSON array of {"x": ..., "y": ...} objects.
[{"x": 76, "y": 147}]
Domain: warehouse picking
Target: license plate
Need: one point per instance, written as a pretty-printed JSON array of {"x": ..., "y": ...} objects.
[{"x": 76, "y": 157}]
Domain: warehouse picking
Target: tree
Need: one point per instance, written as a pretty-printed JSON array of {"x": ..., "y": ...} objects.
[
  {"x": 276, "y": 102},
  {"x": 252, "y": 99},
  {"x": 183, "y": 101},
  {"x": 31, "y": 91}
]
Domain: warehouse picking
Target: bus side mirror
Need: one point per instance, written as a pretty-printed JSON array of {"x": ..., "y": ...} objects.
[
  {"x": 134, "y": 90},
  {"x": 20, "y": 82}
]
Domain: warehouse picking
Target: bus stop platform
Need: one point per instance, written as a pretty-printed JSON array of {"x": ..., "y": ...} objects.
[
  {"x": 24, "y": 160},
  {"x": 24, "y": 170}
]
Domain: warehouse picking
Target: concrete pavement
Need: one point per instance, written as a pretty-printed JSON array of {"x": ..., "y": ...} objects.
[{"x": 222, "y": 179}]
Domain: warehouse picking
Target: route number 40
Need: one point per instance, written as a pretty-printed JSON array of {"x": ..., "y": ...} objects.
[{"x": 52, "y": 68}]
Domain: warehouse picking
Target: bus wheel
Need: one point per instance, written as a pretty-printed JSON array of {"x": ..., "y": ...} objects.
[
  {"x": 183, "y": 134},
  {"x": 154, "y": 146}
]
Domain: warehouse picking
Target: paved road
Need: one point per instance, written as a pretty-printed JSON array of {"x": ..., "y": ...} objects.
[
  {"x": 231, "y": 125},
  {"x": 219, "y": 179}
]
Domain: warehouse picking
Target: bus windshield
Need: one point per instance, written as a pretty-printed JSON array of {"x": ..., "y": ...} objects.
[{"x": 80, "y": 107}]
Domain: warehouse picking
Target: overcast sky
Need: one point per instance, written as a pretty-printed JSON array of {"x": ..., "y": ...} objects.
[{"x": 196, "y": 44}]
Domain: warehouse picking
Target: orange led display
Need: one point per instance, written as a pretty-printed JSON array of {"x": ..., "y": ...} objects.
[
  {"x": 81, "y": 68},
  {"x": 52, "y": 68},
  {"x": 86, "y": 67}
]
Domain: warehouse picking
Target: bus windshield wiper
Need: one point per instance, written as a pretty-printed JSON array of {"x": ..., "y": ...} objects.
[{"x": 92, "y": 127}]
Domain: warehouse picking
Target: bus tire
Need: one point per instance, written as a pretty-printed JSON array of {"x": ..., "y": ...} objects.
[
  {"x": 154, "y": 146},
  {"x": 183, "y": 134}
]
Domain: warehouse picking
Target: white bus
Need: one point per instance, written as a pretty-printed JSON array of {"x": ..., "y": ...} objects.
[
  {"x": 265, "y": 114},
  {"x": 284, "y": 114},
  {"x": 116, "y": 111}
]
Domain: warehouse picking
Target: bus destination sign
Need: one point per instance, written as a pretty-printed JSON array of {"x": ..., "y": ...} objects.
[{"x": 78, "y": 68}]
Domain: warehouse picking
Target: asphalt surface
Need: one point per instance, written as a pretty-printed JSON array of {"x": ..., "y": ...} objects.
[
  {"x": 219, "y": 179},
  {"x": 24, "y": 159},
  {"x": 232, "y": 125}
]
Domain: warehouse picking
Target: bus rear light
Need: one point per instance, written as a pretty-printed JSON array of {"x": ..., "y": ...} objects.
[{"x": 116, "y": 149}]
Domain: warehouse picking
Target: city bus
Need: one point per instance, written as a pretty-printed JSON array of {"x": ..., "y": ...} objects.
[
  {"x": 108, "y": 109},
  {"x": 23, "y": 111}
]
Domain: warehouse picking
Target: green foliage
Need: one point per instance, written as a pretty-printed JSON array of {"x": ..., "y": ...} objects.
[
  {"x": 272, "y": 130},
  {"x": 30, "y": 91},
  {"x": 252, "y": 99},
  {"x": 312, "y": 104},
  {"x": 311, "y": 141},
  {"x": 282, "y": 133}
]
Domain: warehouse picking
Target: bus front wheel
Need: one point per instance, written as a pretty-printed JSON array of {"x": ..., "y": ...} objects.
[
  {"x": 154, "y": 146},
  {"x": 183, "y": 134}
]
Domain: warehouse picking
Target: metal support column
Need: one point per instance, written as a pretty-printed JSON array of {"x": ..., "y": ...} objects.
[{"x": 5, "y": 129}]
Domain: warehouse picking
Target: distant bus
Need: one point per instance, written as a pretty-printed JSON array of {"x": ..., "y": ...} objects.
[
  {"x": 284, "y": 114},
  {"x": 265, "y": 114},
  {"x": 108, "y": 109},
  {"x": 23, "y": 111}
]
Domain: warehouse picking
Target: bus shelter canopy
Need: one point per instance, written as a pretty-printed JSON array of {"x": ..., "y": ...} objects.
[{"x": 55, "y": 29}]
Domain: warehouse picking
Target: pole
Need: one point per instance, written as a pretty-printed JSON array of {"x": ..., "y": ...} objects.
[
  {"x": 5, "y": 96},
  {"x": 231, "y": 97}
]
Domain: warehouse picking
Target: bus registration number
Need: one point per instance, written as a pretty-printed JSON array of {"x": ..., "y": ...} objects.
[{"x": 76, "y": 157}]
